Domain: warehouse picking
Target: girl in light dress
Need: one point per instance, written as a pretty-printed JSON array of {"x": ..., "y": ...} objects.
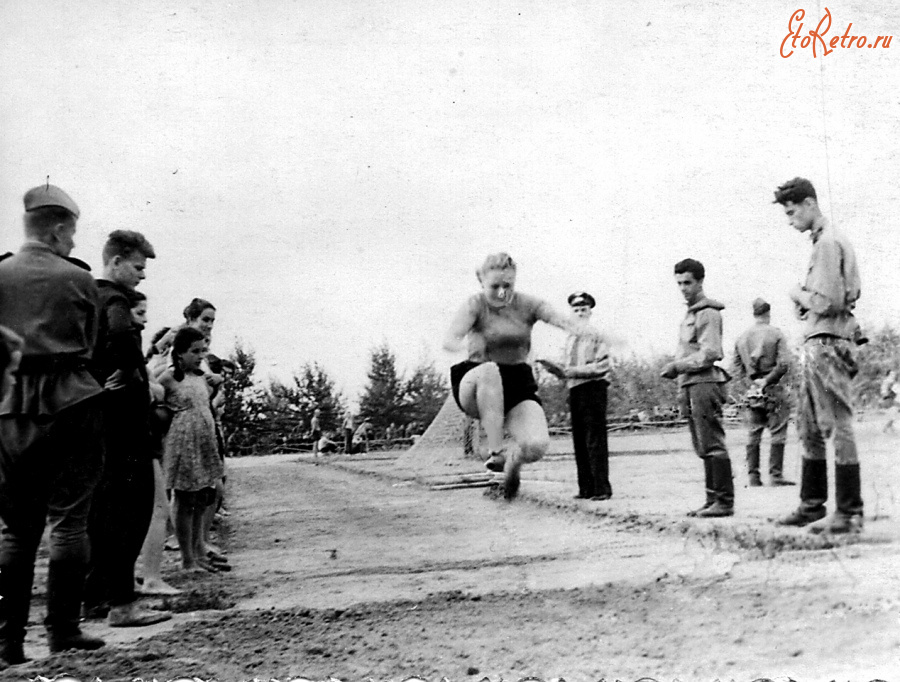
[{"x": 191, "y": 462}]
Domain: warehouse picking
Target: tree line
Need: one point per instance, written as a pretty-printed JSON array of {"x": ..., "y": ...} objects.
[{"x": 265, "y": 416}]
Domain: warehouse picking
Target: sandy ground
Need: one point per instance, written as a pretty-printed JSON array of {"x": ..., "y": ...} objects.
[{"x": 342, "y": 569}]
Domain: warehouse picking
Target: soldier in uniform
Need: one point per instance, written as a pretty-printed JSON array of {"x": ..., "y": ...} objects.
[
  {"x": 50, "y": 426},
  {"x": 702, "y": 386},
  {"x": 824, "y": 303},
  {"x": 761, "y": 355}
]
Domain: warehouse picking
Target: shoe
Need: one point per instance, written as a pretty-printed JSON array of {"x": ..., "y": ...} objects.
[
  {"x": 156, "y": 588},
  {"x": 755, "y": 481},
  {"x": 579, "y": 496},
  {"x": 73, "y": 640},
  {"x": 780, "y": 481},
  {"x": 715, "y": 510},
  {"x": 130, "y": 616},
  {"x": 601, "y": 498},
  {"x": 495, "y": 462},
  {"x": 837, "y": 524},
  {"x": 13, "y": 653},
  {"x": 801, "y": 517}
]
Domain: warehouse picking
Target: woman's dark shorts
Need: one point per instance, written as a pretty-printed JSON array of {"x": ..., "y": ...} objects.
[{"x": 518, "y": 383}]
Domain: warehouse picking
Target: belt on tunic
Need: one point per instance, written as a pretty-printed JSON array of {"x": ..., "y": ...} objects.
[{"x": 827, "y": 339}]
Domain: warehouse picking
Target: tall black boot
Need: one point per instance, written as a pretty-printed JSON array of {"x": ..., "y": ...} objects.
[
  {"x": 65, "y": 587},
  {"x": 15, "y": 602},
  {"x": 723, "y": 482},
  {"x": 848, "y": 517},
  {"x": 753, "y": 464},
  {"x": 710, "y": 487},
  {"x": 776, "y": 465},
  {"x": 813, "y": 494}
]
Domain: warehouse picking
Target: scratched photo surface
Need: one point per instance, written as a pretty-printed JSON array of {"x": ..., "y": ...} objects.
[{"x": 330, "y": 175}]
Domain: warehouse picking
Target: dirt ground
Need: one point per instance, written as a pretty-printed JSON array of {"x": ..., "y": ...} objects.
[{"x": 344, "y": 570}]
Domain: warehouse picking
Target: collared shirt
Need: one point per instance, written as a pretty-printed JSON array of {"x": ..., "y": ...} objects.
[
  {"x": 700, "y": 344},
  {"x": 761, "y": 351},
  {"x": 832, "y": 282},
  {"x": 588, "y": 357},
  {"x": 54, "y": 306}
]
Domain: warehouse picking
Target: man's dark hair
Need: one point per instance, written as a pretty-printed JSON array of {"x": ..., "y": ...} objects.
[
  {"x": 795, "y": 191},
  {"x": 692, "y": 266},
  {"x": 125, "y": 243}
]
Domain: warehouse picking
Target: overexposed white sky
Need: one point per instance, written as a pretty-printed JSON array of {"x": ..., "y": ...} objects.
[{"x": 330, "y": 174}]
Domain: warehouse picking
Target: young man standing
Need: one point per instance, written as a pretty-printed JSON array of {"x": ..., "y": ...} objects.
[
  {"x": 702, "y": 385},
  {"x": 824, "y": 303},
  {"x": 585, "y": 368},
  {"x": 123, "y": 502},
  {"x": 50, "y": 438},
  {"x": 761, "y": 354}
]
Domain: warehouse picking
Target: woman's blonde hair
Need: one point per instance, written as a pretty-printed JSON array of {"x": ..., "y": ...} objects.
[{"x": 496, "y": 261}]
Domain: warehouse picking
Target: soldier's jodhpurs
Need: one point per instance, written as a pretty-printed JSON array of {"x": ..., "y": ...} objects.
[
  {"x": 825, "y": 406},
  {"x": 49, "y": 467},
  {"x": 775, "y": 417},
  {"x": 825, "y": 409},
  {"x": 702, "y": 405}
]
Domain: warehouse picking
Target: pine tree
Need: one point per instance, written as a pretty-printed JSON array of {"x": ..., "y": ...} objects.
[
  {"x": 424, "y": 394},
  {"x": 382, "y": 400},
  {"x": 314, "y": 389}
]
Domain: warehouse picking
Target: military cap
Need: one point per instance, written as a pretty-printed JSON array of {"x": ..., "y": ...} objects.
[
  {"x": 760, "y": 307},
  {"x": 581, "y": 298},
  {"x": 49, "y": 195}
]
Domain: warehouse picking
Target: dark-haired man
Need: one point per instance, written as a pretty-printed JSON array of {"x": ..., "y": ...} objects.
[
  {"x": 123, "y": 501},
  {"x": 50, "y": 438},
  {"x": 702, "y": 386},
  {"x": 761, "y": 355},
  {"x": 825, "y": 302}
]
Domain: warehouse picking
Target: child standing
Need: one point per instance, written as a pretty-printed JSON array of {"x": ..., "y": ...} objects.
[{"x": 191, "y": 461}]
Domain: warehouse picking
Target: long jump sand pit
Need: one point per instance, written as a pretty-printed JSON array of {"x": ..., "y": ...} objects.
[{"x": 345, "y": 569}]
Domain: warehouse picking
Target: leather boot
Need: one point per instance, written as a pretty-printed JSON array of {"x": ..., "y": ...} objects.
[
  {"x": 710, "y": 487},
  {"x": 723, "y": 482},
  {"x": 776, "y": 465},
  {"x": 848, "y": 517},
  {"x": 15, "y": 602},
  {"x": 65, "y": 586},
  {"x": 753, "y": 465},
  {"x": 813, "y": 494}
]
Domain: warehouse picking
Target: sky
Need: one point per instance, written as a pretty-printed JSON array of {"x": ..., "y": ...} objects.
[{"x": 331, "y": 174}]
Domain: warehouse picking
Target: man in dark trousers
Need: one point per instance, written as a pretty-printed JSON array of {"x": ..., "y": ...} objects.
[
  {"x": 824, "y": 303},
  {"x": 50, "y": 429},
  {"x": 762, "y": 356},
  {"x": 123, "y": 501},
  {"x": 702, "y": 385},
  {"x": 585, "y": 368}
]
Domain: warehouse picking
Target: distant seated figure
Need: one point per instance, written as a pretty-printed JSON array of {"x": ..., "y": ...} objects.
[
  {"x": 361, "y": 438},
  {"x": 325, "y": 444}
]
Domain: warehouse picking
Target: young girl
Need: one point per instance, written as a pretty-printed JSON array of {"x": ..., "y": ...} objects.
[{"x": 191, "y": 461}]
